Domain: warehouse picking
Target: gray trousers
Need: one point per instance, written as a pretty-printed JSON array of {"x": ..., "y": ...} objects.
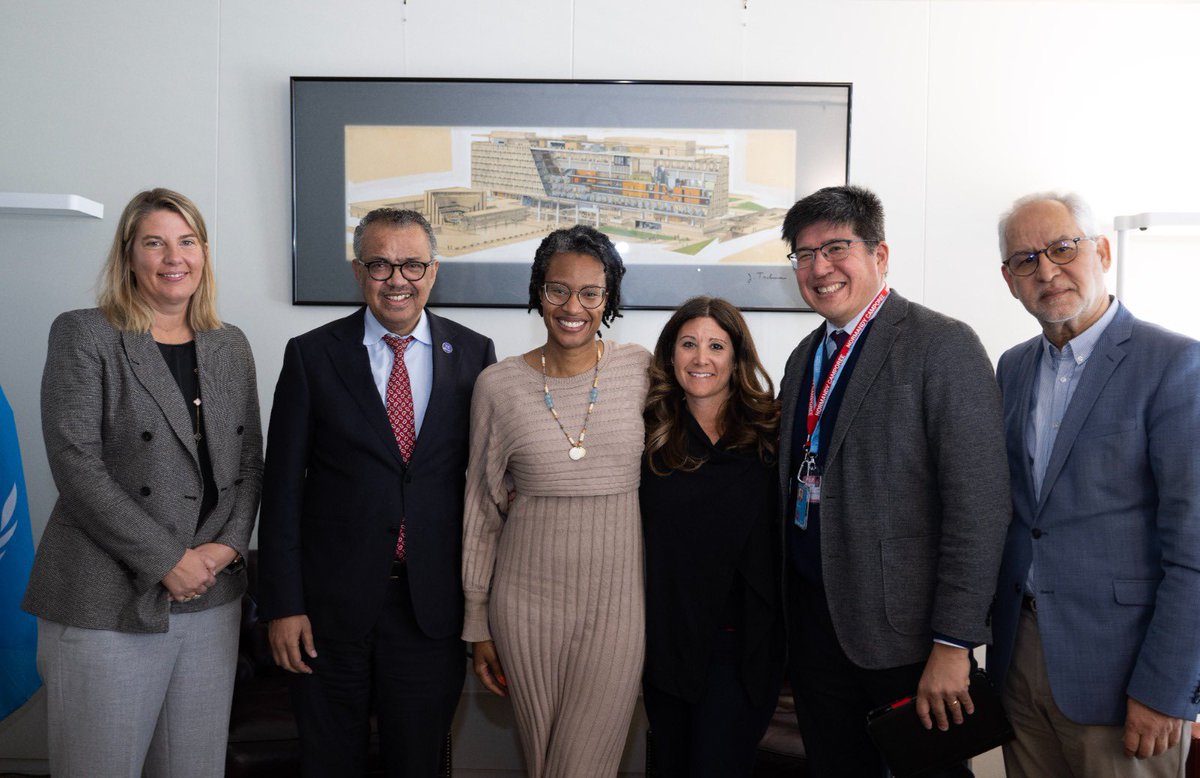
[{"x": 125, "y": 704}]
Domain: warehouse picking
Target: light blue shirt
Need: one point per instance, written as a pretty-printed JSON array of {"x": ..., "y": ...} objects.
[
  {"x": 1058, "y": 375},
  {"x": 1057, "y": 379},
  {"x": 418, "y": 358}
]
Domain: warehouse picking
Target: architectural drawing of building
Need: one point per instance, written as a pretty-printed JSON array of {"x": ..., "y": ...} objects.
[{"x": 645, "y": 184}]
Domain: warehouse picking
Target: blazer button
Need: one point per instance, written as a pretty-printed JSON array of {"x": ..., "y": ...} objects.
[
  {"x": 146, "y": 436},
  {"x": 145, "y": 490},
  {"x": 240, "y": 429},
  {"x": 1037, "y": 533}
]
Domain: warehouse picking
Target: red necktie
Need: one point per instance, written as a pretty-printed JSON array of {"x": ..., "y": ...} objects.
[{"x": 400, "y": 412}]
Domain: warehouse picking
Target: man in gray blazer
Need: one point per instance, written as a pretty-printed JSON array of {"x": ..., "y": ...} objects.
[
  {"x": 894, "y": 487},
  {"x": 1098, "y": 602}
]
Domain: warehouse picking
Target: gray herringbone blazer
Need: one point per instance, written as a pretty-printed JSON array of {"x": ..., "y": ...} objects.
[
  {"x": 120, "y": 442},
  {"x": 915, "y": 495}
]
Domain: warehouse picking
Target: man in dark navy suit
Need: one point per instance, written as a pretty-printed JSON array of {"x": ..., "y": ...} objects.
[{"x": 361, "y": 529}]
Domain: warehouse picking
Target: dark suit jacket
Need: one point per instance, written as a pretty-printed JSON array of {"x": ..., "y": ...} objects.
[
  {"x": 335, "y": 486},
  {"x": 121, "y": 448},
  {"x": 915, "y": 498},
  {"x": 1116, "y": 533}
]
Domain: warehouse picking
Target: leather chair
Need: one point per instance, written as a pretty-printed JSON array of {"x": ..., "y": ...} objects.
[
  {"x": 263, "y": 740},
  {"x": 780, "y": 752}
]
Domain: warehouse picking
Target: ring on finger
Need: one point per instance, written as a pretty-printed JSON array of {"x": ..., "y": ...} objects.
[{"x": 954, "y": 702}]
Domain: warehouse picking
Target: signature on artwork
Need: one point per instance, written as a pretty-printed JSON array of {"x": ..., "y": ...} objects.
[{"x": 764, "y": 275}]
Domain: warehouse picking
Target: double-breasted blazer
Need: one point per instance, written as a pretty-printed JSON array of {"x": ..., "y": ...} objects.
[
  {"x": 122, "y": 450},
  {"x": 1116, "y": 531},
  {"x": 335, "y": 487},
  {"x": 914, "y": 495}
]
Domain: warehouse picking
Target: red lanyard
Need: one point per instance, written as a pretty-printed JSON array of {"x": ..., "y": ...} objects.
[{"x": 816, "y": 403}]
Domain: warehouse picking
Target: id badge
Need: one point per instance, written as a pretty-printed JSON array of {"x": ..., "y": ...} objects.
[
  {"x": 808, "y": 491},
  {"x": 801, "y": 504}
]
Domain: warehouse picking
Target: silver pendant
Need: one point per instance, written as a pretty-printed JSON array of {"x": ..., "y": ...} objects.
[{"x": 577, "y": 453}]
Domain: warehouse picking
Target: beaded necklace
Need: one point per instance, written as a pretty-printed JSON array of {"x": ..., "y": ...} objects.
[{"x": 577, "y": 451}]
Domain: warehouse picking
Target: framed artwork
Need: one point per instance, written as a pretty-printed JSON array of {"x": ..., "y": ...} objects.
[{"x": 690, "y": 180}]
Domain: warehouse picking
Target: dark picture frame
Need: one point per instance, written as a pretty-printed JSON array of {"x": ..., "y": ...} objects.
[{"x": 689, "y": 178}]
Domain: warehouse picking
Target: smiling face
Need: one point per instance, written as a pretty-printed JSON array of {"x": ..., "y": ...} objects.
[
  {"x": 703, "y": 360},
  {"x": 397, "y": 302},
  {"x": 1065, "y": 299},
  {"x": 167, "y": 259},
  {"x": 838, "y": 291},
  {"x": 571, "y": 326}
]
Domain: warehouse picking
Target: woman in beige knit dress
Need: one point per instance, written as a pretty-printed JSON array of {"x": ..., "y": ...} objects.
[{"x": 553, "y": 580}]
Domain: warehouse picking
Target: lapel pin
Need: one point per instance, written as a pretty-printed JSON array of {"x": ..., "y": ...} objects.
[{"x": 447, "y": 347}]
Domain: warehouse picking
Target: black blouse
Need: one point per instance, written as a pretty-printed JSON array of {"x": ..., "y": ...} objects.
[
  {"x": 712, "y": 562},
  {"x": 181, "y": 359}
]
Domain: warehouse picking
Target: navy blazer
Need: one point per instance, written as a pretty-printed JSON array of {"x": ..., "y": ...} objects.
[
  {"x": 335, "y": 486},
  {"x": 1116, "y": 533}
]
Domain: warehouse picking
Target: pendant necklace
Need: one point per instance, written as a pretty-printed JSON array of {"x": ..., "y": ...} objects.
[
  {"x": 196, "y": 402},
  {"x": 577, "y": 451}
]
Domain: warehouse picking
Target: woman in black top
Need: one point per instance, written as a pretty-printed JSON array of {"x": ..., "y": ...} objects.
[{"x": 714, "y": 646}]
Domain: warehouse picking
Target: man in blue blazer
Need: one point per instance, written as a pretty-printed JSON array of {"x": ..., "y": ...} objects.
[
  {"x": 894, "y": 489},
  {"x": 1097, "y": 616},
  {"x": 360, "y": 539}
]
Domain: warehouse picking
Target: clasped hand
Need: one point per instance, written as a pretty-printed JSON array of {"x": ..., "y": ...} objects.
[{"x": 196, "y": 572}]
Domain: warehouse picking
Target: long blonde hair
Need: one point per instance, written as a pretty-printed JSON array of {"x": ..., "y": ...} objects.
[{"x": 117, "y": 295}]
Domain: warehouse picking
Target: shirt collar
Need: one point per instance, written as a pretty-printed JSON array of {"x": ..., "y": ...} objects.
[
  {"x": 1083, "y": 344},
  {"x": 831, "y": 328},
  {"x": 373, "y": 331}
]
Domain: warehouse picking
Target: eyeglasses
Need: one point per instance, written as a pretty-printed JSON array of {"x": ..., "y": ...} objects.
[
  {"x": 1060, "y": 252},
  {"x": 382, "y": 270},
  {"x": 589, "y": 296},
  {"x": 834, "y": 250}
]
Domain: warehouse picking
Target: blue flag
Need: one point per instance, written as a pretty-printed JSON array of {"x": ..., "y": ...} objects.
[{"x": 18, "y": 629}]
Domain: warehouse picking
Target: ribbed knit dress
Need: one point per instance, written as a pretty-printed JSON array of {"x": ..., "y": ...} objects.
[{"x": 558, "y": 583}]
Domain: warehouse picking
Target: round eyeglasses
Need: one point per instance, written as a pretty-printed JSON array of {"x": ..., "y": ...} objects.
[
  {"x": 1060, "y": 252},
  {"x": 382, "y": 270},
  {"x": 589, "y": 296},
  {"x": 834, "y": 250}
]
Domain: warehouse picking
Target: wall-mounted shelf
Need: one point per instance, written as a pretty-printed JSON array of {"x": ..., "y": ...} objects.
[
  {"x": 49, "y": 204},
  {"x": 1144, "y": 221}
]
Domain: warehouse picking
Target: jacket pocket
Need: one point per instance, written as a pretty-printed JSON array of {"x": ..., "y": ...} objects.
[
  {"x": 1135, "y": 592},
  {"x": 909, "y": 572}
]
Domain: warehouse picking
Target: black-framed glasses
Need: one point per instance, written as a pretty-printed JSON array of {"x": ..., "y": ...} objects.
[
  {"x": 382, "y": 270},
  {"x": 834, "y": 250},
  {"x": 589, "y": 296},
  {"x": 1060, "y": 252}
]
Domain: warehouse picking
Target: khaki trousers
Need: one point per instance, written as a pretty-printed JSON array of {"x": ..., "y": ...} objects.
[{"x": 1049, "y": 745}]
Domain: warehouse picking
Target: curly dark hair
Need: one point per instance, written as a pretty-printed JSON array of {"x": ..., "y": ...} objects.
[
  {"x": 579, "y": 239},
  {"x": 750, "y": 418}
]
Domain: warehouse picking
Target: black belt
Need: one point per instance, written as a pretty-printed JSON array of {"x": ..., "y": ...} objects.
[
  {"x": 1029, "y": 603},
  {"x": 399, "y": 569}
]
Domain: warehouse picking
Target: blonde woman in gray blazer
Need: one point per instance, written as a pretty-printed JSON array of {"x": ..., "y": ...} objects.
[{"x": 150, "y": 415}]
